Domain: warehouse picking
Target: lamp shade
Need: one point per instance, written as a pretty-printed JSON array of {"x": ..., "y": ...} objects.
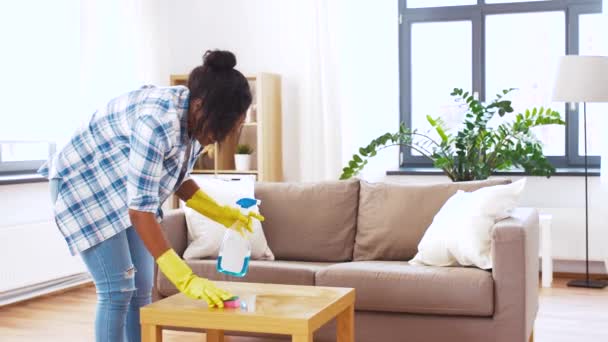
[{"x": 582, "y": 79}]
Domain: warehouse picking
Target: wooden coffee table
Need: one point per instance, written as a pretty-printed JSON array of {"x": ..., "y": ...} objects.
[{"x": 275, "y": 309}]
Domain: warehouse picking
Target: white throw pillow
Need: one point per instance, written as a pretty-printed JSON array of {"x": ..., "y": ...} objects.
[
  {"x": 460, "y": 232},
  {"x": 205, "y": 235}
]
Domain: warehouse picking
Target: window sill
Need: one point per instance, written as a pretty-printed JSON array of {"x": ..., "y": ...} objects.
[
  {"x": 430, "y": 171},
  {"x": 21, "y": 179}
]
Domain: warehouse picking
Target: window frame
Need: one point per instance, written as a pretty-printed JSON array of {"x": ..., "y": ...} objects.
[
  {"x": 8, "y": 168},
  {"x": 477, "y": 15}
]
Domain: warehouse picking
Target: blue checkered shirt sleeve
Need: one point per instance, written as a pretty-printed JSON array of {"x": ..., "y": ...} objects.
[{"x": 150, "y": 140}]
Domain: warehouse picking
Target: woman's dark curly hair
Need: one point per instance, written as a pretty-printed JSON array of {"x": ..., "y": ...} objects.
[{"x": 224, "y": 92}]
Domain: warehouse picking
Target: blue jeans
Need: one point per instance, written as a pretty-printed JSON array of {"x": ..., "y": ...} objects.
[{"x": 123, "y": 271}]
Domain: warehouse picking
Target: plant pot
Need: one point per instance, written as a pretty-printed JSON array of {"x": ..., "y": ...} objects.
[{"x": 242, "y": 162}]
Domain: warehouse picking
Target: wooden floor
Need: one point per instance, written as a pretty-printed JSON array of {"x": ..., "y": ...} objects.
[
  {"x": 565, "y": 315},
  {"x": 569, "y": 314}
]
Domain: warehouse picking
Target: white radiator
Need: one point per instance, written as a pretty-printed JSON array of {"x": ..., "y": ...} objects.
[{"x": 34, "y": 260}]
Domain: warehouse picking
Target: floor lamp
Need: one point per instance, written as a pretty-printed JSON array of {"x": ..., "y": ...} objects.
[{"x": 583, "y": 79}]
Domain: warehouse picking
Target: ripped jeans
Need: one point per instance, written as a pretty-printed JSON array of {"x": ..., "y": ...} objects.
[{"x": 123, "y": 271}]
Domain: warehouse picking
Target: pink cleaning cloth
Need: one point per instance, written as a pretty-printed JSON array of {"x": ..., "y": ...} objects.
[{"x": 232, "y": 304}]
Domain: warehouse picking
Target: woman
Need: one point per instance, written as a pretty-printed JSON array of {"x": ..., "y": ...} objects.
[{"x": 109, "y": 181}]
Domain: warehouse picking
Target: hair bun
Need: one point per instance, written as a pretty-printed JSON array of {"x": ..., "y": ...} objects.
[{"x": 219, "y": 60}]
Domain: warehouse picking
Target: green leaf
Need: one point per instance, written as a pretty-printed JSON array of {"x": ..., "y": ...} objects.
[
  {"x": 437, "y": 125},
  {"x": 357, "y": 158}
]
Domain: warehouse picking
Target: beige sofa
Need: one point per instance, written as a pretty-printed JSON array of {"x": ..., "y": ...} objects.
[{"x": 360, "y": 235}]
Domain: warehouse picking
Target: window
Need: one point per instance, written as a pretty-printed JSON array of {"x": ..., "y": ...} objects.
[
  {"x": 437, "y": 3},
  {"x": 507, "y": 1},
  {"x": 486, "y": 46},
  {"x": 23, "y": 156},
  {"x": 522, "y": 51},
  {"x": 62, "y": 61},
  {"x": 40, "y": 79},
  {"x": 431, "y": 95}
]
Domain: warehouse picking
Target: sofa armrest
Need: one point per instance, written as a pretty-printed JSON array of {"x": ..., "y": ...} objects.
[
  {"x": 175, "y": 230},
  {"x": 515, "y": 257}
]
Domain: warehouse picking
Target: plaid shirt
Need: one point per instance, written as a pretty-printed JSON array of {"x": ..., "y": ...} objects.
[{"x": 128, "y": 156}]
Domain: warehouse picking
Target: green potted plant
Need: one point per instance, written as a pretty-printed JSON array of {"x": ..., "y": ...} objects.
[
  {"x": 476, "y": 150},
  {"x": 242, "y": 157}
]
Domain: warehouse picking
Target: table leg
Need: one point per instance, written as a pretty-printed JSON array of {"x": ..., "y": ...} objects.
[
  {"x": 532, "y": 336},
  {"x": 301, "y": 338},
  {"x": 151, "y": 333},
  {"x": 346, "y": 325},
  {"x": 215, "y": 335}
]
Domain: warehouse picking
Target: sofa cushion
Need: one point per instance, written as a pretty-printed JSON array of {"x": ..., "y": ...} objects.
[
  {"x": 393, "y": 286},
  {"x": 277, "y": 272},
  {"x": 392, "y": 218},
  {"x": 310, "y": 221}
]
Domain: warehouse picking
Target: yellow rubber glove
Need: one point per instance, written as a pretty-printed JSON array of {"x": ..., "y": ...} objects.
[
  {"x": 181, "y": 275},
  {"x": 225, "y": 215}
]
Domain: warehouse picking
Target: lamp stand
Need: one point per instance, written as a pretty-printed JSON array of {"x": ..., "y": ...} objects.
[{"x": 588, "y": 283}]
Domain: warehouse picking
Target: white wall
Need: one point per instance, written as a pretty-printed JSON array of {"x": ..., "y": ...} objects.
[
  {"x": 123, "y": 45},
  {"x": 32, "y": 250}
]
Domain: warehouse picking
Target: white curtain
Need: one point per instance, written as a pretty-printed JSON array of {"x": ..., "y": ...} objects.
[
  {"x": 320, "y": 119},
  {"x": 63, "y": 59},
  {"x": 122, "y": 46}
]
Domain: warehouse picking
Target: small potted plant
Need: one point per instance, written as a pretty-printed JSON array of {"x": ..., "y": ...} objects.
[{"x": 242, "y": 157}]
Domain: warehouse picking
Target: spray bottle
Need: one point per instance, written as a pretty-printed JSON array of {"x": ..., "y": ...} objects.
[{"x": 235, "y": 251}]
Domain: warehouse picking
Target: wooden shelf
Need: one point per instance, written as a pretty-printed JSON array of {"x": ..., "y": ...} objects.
[
  {"x": 263, "y": 134},
  {"x": 250, "y": 172}
]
